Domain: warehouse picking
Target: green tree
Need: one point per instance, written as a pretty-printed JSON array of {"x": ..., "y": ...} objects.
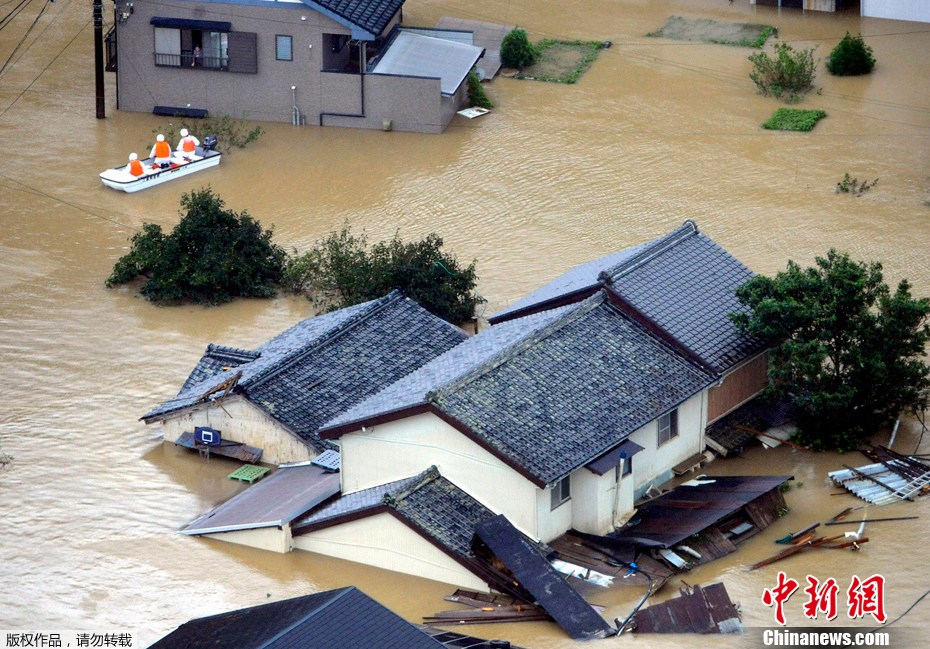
[
  {"x": 790, "y": 73},
  {"x": 850, "y": 57},
  {"x": 476, "y": 94},
  {"x": 517, "y": 51},
  {"x": 848, "y": 351},
  {"x": 341, "y": 270},
  {"x": 211, "y": 256}
]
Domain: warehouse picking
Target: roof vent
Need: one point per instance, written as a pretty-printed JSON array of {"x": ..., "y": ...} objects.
[{"x": 328, "y": 460}]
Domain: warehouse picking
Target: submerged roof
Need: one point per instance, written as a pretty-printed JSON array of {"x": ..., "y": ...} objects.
[
  {"x": 417, "y": 55},
  {"x": 323, "y": 365},
  {"x": 428, "y": 503},
  {"x": 345, "y": 618},
  {"x": 547, "y": 393},
  {"x": 692, "y": 508},
  {"x": 683, "y": 282},
  {"x": 275, "y": 501},
  {"x": 371, "y": 15}
]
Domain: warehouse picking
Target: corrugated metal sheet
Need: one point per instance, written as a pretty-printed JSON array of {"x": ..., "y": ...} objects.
[{"x": 898, "y": 488}]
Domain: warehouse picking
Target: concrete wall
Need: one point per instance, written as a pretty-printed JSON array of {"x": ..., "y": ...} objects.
[
  {"x": 413, "y": 104},
  {"x": 593, "y": 500},
  {"x": 913, "y": 10},
  {"x": 275, "y": 539},
  {"x": 385, "y": 542},
  {"x": 241, "y": 421}
]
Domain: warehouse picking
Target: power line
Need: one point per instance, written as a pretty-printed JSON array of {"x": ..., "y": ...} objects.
[{"x": 25, "y": 36}]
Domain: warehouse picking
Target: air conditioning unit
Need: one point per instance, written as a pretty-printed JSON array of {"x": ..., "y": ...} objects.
[{"x": 207, "y": 436}]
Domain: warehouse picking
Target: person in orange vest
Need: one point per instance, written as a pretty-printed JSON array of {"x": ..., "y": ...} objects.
[
  {"x": 134, "y": 167},
  {"x": 161, "y": 152},
  {"x": 188, "y": 144}
]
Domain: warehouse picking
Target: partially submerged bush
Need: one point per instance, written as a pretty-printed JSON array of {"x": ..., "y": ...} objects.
[
  {"x": 476, "y": 94},
  {"x": 517, "y": 51},
  {"x": 211, "y": 256},
  {"x": 341, "y": 271},
  {"x": 851, "y": 57},
  {"x": 789, "y": 74},
  {"x": 794, "y": 119},
  {"x": 229, "y": 132}
]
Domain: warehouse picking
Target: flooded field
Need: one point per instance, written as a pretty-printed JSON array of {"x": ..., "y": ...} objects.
[{"x": 656, "y": 132}]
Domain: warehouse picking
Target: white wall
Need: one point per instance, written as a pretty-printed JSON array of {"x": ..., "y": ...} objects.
[
  {"x": 913, "y": 10},
  {"x": 593, "y": 500},
  {"x": 385, "y": 542},
  {"x": 653, "y": 465},
  {"x": 400, "y": 449},
  {"x": 241, "y": 421}
]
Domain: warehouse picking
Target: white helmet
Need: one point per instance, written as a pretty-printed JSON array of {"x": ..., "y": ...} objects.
[
  {"x": 184, "y": 132},
  {"x": 160, "y": 138},
  {"x": 133, "y": 156}
]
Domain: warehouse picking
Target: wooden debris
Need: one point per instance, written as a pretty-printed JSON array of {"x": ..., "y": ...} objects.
[
  {"x": 696, "y": 610},
  {"x": 791, "y": 538},
  {"x": 831, "y": 542},
  {"x": 874, "y": 520}
]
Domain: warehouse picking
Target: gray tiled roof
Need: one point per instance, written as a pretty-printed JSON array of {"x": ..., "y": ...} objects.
[
  {"x": 413, "y": 389},
  {"x": 371, "y": 15},
  {"x": 577, "y": 279},
  {"x": 684, "y": 282},
  {"x": 324, "y": 365},
  {"x": 345, "y": 618},
  {"x": 428, "y": 501},
  {"x": 573, "y": 391},
  {"x": 215, "y": 360}
]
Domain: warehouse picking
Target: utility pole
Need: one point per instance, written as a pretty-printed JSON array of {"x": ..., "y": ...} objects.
[{"x": 98, "y": 58}]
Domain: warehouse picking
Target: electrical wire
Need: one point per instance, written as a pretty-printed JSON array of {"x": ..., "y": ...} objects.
[
  {"x": 25, "y": 36},
  {"x": 909, "y": 608}
]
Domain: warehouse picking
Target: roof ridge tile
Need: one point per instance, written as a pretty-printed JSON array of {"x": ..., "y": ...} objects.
[{"x": 652, "y": 250}]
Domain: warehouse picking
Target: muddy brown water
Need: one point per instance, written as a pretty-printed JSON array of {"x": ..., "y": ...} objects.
[{"x": 656, "y": 132}]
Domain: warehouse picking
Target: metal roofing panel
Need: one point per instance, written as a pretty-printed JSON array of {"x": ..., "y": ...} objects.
[
  {"x": 411, "y": 54},
  {"x": 276, "y": 500}
]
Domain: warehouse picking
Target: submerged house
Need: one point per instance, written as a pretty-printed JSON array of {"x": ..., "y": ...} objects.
[
  {"x": 326, "y": 62},
  {"x": 557, "y": 417},
  {"x": 277, "y": 396},
  {"x": 682, "y": 287}
]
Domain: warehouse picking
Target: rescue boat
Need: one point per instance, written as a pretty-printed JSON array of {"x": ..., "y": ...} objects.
[{"x": 203, "y": 157}]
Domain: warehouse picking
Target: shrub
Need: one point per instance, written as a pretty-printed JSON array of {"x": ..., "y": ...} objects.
[
  {"x": 790, "y": 73},
  {"x": 794, "y": 119},
  {"x": 229, "y": 132},
  {"x": 850, "y": 57},
  {"x": 476, "y": 94},
  {"x": 211, "y": 256},
  {"x": 850, "y": 185},
  {"x": 517, "y": 51},
  {"x": 341, "y": 271}
]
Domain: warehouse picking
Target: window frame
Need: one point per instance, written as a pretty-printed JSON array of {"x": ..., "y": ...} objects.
[
  {"x": 290, "y": 41},
  {"x": 561, "y": 493},
  {"x": 667, "y": 427}
]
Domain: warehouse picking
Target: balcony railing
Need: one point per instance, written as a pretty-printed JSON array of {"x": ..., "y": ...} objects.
[{"x": 187, "y": 60}]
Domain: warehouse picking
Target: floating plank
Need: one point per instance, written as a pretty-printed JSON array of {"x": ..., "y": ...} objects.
[
  {"x": 553, "y": 594},
  {"x": 234, "y": 450}
]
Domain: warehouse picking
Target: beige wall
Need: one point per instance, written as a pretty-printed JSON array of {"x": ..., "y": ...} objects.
[
  {"x": 593, "y": 500},
  {"x": 275, "y": 539},
  {"x": 403, "y": 448},
  {"x": 241, "y": 421},
  {"x": 383, "y": 541}
]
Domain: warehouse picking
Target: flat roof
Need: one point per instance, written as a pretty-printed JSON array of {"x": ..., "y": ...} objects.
[
  {"x": 275, "y": 501},
  {"x": 415, "y": 55}
]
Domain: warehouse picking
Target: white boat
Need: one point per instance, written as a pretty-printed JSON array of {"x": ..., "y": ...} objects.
[{"x": 204, "y": 157}]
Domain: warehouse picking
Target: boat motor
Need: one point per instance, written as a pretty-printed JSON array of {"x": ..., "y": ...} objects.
[{"x": 209, "y": 143}]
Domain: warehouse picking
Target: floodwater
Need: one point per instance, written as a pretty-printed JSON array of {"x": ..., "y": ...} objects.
[{"x": 655, "y": 133}]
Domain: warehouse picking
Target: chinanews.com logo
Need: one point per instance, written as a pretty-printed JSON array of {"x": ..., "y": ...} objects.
[{"x": 825, "y": 600}]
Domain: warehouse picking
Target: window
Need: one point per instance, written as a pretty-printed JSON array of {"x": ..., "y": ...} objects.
[
  {"x": 562, "y": 491},
  {"x": 191, "y": 48},
  {"x": 283, "y": 48},
  {"x": 668, "y": 426}
]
